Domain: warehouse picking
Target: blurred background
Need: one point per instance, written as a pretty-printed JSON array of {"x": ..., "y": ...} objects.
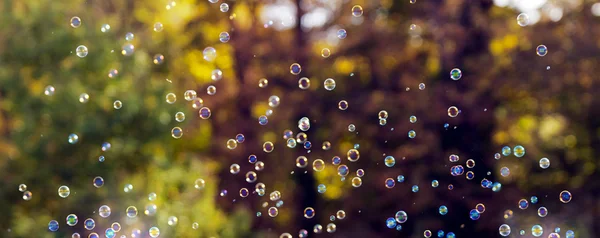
[{"x": 508, "y": 96}]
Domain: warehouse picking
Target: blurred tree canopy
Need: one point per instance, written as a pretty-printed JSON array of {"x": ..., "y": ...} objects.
[{"x": 507, "y": 96}]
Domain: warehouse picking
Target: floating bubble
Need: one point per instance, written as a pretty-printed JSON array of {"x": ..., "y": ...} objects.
[
  {"x": 326, "y": 145},
  {"x": 72, "y": 220},
  {"x": 413, "y": 1},
  {"x": 27, "y": 195},
  {"x": 127, "y": 49},
  {"x": 309, "y": 212},
  {"x": 321, "y": 188},
  {"x": 544, "y": 163},
  {"x": 224, "y": 7},
  {"x": 504, "y": 171},
  {"x": 263, "y": 82},
  {"x": 523, "y": 204},
  {"x": 22, "y": 187},
  {"x": 304, "y": 124},
  {"x": 389, "y": 161},
  {"x": 533, "y": 199},
  {"x": 541, "y": 50},
  {"x": 75, "y": 22},
  {"x": 176, "y": 132},
  {"x": 390, "y": 183},
  {"x": 274, "y": 101},
  {"x": 537, "y": 230},
  {"x": 506, "y": 150},
  {"x": 204, "y": 113},
  {"x": 343, "y": 105},
  {"x": 412, "y": 134},
  {"x": 470, "y": 175},
  {"x": 443, "y": 210},
  {"x": 357, "y": 11},
  {"x": 570, "y": 234},
  {"x": 453, "y": 111},
  {"x": 179, "y": 117},
  {"x": 351, "y": 128},
  {"x": 209, "y": 54},
  {"x": 150, "y": 210},
  {"x": 508, "y": 214},
  {"x": 317, "y": 228},
  {"x": 158, "y": 59},
  {"x": 198, "y": 184},
  {"x": 131, "y": 211},
  {"x": 251, "y": 177},
  {"x": 519, "y": 151},
  {"x": 154, "y": 232},
  {"x": 211, "y": 90},
  {"x": 401, "y": 217},
  {"x": 231, "y": 144},
  {"x": 353, "y": 155},
  {"x": 272, "y": 211},
  {"x": 49, "y": 90},
  {"x": 89, "y": 224},
  {"x": 240, "y": 138},
  {"x": 64, "y": 191},
  {"x": 116, "y": 226},
  {"x": 105, "y": 28},
  {"x": 474, "y": 215},
  {"x": 295, "y": 69},
  {"x": 216, "y": 75},
  {"x": 129, "y": 36},
  {"x": 504, "y": 230},
  {"x": 301, "y": 162},
  {"x": 318, "y": 165},
  {"x": 73, "y": 138},
  {"x": 329, "y": 84},
  {"x": 104, "y": 211},
  {"x": 435, "y": 183},
  {"x": 81, "y": 51},
  {"x": 172, "y": 221},
  {"x": 356, "y": 182},
  {"x": 98, "y": 182},
  {"x": 565, "y": 196},
  {"x": 244, "y": 192},
  {"x": 542, "y": 212},
  {"x": 453, "y": 158},
  {"x": 497, "y": 156},
  {"x": 390, "y": 223},
  {"x": 480, "y": 208},
  {"x": 470, "y": 163},
  {"x": 455, "y": 74},
  {"x": 414, "y": 188},
  {"x": 224, "y": 37},
  {"x": 117, "y": 104},
  {"x": 53, "y": 225},
  {"x": 331, "y": 228},
  {"x": 234, "y": 168},
  {"x": 523, "y": 19},
  {"x": 342, "y": 34},
  {"x": 158, "y": 27},
  {"x": 325, "y": 53},
  {"x": 340, "y": 214}
]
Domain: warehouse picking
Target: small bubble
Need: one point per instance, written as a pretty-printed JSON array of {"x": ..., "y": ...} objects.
[
  {"x": 342, "y": 34},
  {"x": 224, "y": 7},
  {"x": 158, "y": 27},
  {"x": 75, "y": 22},
  {"x": 224, "y": 37},
  {"x": 357, "y": 11},
  {"x": 81, "y": 51},
  {"x": 523, "y": 19},
  {"x": 105, "y": 28}
]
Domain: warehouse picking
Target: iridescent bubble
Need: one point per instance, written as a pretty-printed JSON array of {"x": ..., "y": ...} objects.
[
  {"x": 295, "y": 69},
  {"x": 523, "y": 204},
  {"x": 129, "y": 36},
  {"x": 343, "y": 170},
  {"x": 470, "y": 175},
  {"x": 537, "y": 230},
  {"x": 303, "y": 233},
  {"x": 331, "y": 228},
  {"x": 268, "y": 147},
  {"x": 209, "y": 54},
  {"x": 455, "y": 74},
  {"x": 150, "y": 210},
  {"x": 414, "y": 188},
  {"x": 544, "y": 163},
  {"x": 49, "y": 90},
  {"x": 340, "y": 214},
  {"x": 304, "y": 124},
  {"x": 73, "y": 138},
  {"x": 263, "y": 82},
  {"x": 504, "y": 171},
  {"x": 309, "y": 212},
  {"x": 474, "y": 215},
  {"x": 329, "y": 84},
  {"x": 104, "y": 211},
  {"x": 325, "y": 52},
  {"x": 523, "y": 19},
  {"x": 453, "y": 111},
  {"x": 357, "y": 11},
  {"x": 470, "y": 163},
  {"x": 353, "y": 155},
  {"x": 244, "y": 192},
  {"x": 413, "y": 1},
  {"x": 240, "y": 138},
  {"x": 89, "y": 224},
  {"x": 390, "y": 223},
  {"x": 199, "y": 184},
  {"x": 64, "y": 191},
  {"x": 231, "y": 144},
  {"x": 506, "y": 150},
  {"x": 326, "y": 145},
  {"x": 116, "y": 226},
  {"x": 356, "y": 182},
  {"x": 412, "y": 119},
  {"x": 401, "y": 216},
  {"x": 158, "y": 27},
  {"x": 453, "y": 158},
  {"x": 400, "y": 178},
  {"x": 542, "y": 212},
  {"x": 504, "y": 230},
  {"x": 565, "y": 196},
  {"x": 127, "y": 49},
  {"x": 508, "y": 214},
  {"x": 570, "y": 234},
  {"x": 154, "y": 232},
  {"x": 83, "y": 98},
  {"x": 81, "y": 51},
  {"x": 480, "y": 207},
  {"x": 109, "y": 233},
  {"x": 117, "y": 104},
  {"x": 22, "y": 187},
  {"x": 179, "y": 117},
  {"x": 158, "y": 59},
  {"x": 234, "y": 168},
  {"x": 251, "y": 177},
  {"x": 497, "y": 156},
  {"x": 389, "y": 161},
  {"x": 216, "y": 75},
  {"x": 176, "y": 132},
  {"x": 75, "y": 22},
  {"x": 105, "y": 28},
  {"x": 317, "y": 228},
  {"x": 318, "y": 165},
  {"x": 98, "y": 182},
  {"x": 72, "y": 219},
  {"x": 342, "y": 34},
  {"x": 211, "y": 90},
  {"x": 291, "y": 143},
  {"x": 224, "y": 37},
  {"x": 343, "y": 105},
  {"x": 541, "y": 50},
  {"x": 131, "y": 211},
  {"x": 412, "y": 134},
  {"x": 274, "y": 101},
  {"x": 321, "y": 188},
  {"x": 53, "y": 225},
  {"x": 519, "y": 151},
  {"x": 172, "y": 221},
  {"x": 301, "y": 162},
  {"x": 435, "y": 183},
  {"x": 272, "y": 211},
  {"x": 224, "y": 7},
  {"x": 204, "y": 113},
  {"x": 128, "y": 188},
  {"x": 533, "y": 199},
  {"x": 443, "y": 210},
  {"x": 390, "y": 183}
]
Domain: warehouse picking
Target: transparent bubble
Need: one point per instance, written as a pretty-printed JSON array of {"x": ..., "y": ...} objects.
[
  {"x": 224, "y": 7},
  {"x": 412, "y": 134},
  {"x": 150, "y": 210},
  {"x": 544, "y": 163},
  {"x": 117, "y": 104},
  {"x": 116, "y": 226},
  {"x": 128, "y": 188},
  {"x": 301, "y": 162},
  {"x": 49, "y": 90},
  {"x": 127, "y": 49},
  {"x": 390, "y": 223},
  {"x": 72, "y": 220},
  {"x": 504, "y": 230},
  {"x": 251, "y": 177},
  {"x": 353, "y": 155},
  {"x": 259, "y": 166},
  {"x": 542, "y": 212},
  {"x": 455, "y": 74},
  {"x": 329, "y": 84},
  {"x": 81, "y": 51},
  {"x": 537, "y": 230},
  {"x": 351, "y": 128},
  {"x": 504, "y": 171},
  {"x": 64, "y": 191},
  {"x": 179, "y": 117},
  {"x": 413, "y": 1},
  {"x": 303, "y": 233},
  {"x": 321, "y": 188},
  {"x": 523, "y": 204},
  {"x": 325, "y": 53},
  {"x": 263, "y": 120},
  {"x": 331, "y": 228},
  {"x": 27, "y": 195},
  {"x": 209, "y": 54},
  {"x": 211, "y": 90},
  {"x": 356, "y": 182},
  {"x": 98, "y": 182},
  {"x": 105, "y": 28},
  {"x": 295, "y": 69},
  {"x": 104, "y": 211},
  {"x": 415, "y": 188},
  {"x": 216, "y": 75},
  {"x": 213, "y": 1},
  {"x": 343, "y": 105},
  {"x": 204, "y": 113},
  {"x": 154, "y": 232},
  {"x": 263, "y": 82},
  {"x": 244, "y": 192},
  {"x": 22, "y": 187},
  {"x": 231, "y": 144},
  {"x": 75, "y": 22},
  {"x": 158, "y": 59},
  {"x": 273, "y": 212},
  {"x": 318, "y": 165},
  {"x": 541, "y": 50},
  {"x": 131, "y": 211},
  {"x": 274, "y": 101},
  {"x": 171, "y": 98},
  {"x": 390, "y": 183},
  {"x": 199, "y": 184},
  {"x": 565, "y": 196},
  {"x": 523, "y": 19},
  {"x": 519, "y": 151},
  {"x": 176, "y": 132},
  {"x": 198, "y": 103},
  {"x": 158, "y": 27},
  {"x": 357, "y": 11},
  {"x": 303, "y": 83},
  {"x": 401, "y": 217},
  {"x": 453, "y": 111},
  {"x": 421, "y": 86},
  {"x": 443, "y": 210},
  {"x": 224, "y": 37},
  {"x": 389, "y": 161},
  {"x": 172, "y": 221},
  {"x": 304, "y": 124},
  {"x": 73, "y": 138},
  {"x": 53, "y": 225},
  {"x": 497, "y": 156},
  {"x": 151, "y": 196},
  {"x": 342, "y": 34},
  {"x": 129, "y": 36}
]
